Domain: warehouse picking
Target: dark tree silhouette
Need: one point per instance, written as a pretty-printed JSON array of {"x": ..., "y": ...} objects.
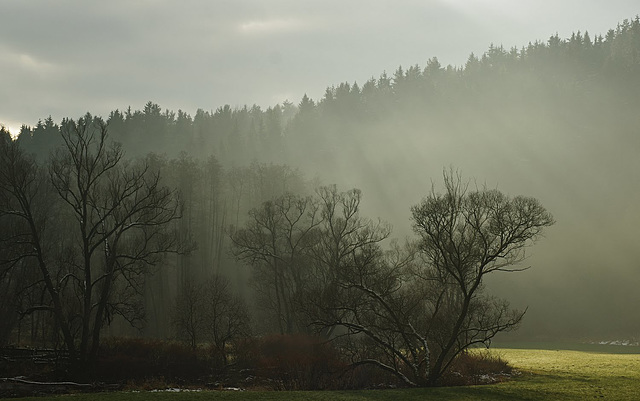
[
  {"x": 412, "y": 311},
  {"x": 110, "y": 223}
]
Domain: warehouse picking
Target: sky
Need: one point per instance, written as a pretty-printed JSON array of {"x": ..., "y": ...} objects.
[{"x": 67, "y": 57}]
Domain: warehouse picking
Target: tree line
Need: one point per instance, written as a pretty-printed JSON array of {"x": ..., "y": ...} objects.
[{"x": 527, "y": 81}]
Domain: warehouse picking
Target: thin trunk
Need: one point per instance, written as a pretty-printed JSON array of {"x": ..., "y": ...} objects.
[
  {"x": 436, "y": 371},
  {"x": 87, "y": 296},
  {"x": 102, "y": 305},
  {"x": 53, "y": 292},
  {"x": 277, "y": 291}
]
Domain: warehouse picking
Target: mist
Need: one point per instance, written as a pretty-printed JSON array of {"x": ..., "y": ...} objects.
[
  {"x": 577, "y": 155},
  {"x": 552, "y": 119}
]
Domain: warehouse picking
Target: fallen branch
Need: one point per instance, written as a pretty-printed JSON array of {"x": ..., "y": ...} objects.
[{"x": 23, "y": 381}]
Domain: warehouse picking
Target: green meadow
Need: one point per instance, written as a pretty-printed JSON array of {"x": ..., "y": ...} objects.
[{"x": 599, "y": 372}]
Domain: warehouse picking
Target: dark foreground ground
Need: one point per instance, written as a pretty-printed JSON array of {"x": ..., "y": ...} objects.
[{"x": 544, "y": 371}]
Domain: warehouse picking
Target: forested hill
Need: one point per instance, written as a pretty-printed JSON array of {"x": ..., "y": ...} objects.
[
  {"x": 591, "y": 81},
  {"x": 556, "y": 119}
]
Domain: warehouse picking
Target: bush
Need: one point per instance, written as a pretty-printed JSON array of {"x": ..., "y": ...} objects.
[
  {"x": 142, "y": 359},
  {"x": 476, "y": 367},
  {"x": 293, "y": 362}
]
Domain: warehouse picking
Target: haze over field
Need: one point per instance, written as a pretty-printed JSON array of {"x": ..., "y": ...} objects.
[{"x": 555, "y": 119}]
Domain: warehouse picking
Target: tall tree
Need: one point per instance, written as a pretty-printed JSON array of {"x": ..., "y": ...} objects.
[
  {"x": 412, "y": 311},
  {"x": 28, "y": 214},
  {"x": 112, "y": 223},
  {"x": 464, "y": 235},
  {"x": 275, "y": 242}
]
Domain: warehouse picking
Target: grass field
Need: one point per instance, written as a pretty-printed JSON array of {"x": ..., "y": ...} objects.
[{"x": 545, "y": 375}]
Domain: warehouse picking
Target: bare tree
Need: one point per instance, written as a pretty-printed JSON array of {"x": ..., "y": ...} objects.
[
  {"x": 110, "y": 225},
  {"x": 275, "y": 242},
  {"x": 410, "y": 311},
  {"x": 209, "y": 312},
  {"x": 187, "y": 315},
  {"x": 465, "y": 235},
  {"x": 346, "y": 247},
  {"x": 357, "y": 292},
  {"x": 28, "y": 214},
  {"x": 226, "y": 316}
]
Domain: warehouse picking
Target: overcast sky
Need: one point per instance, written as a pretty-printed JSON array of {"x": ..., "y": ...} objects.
[{"x": 66, "y": 57}]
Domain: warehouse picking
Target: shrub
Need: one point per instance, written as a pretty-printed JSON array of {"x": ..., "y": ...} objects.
[
  {"x": 142, "y": 359},
  {"x": 293, "y": 362},
  {"x": 476, "y": 367}
]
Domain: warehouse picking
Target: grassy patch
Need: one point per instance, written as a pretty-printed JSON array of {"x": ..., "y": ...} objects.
[
  {"x": 545, "y": 375},
  {"x": 575, "y": 375}
]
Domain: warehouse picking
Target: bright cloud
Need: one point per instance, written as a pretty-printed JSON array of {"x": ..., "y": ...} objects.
[
  {"x": 32, "y": 64},
  {"x": 272, "y": 26}
]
